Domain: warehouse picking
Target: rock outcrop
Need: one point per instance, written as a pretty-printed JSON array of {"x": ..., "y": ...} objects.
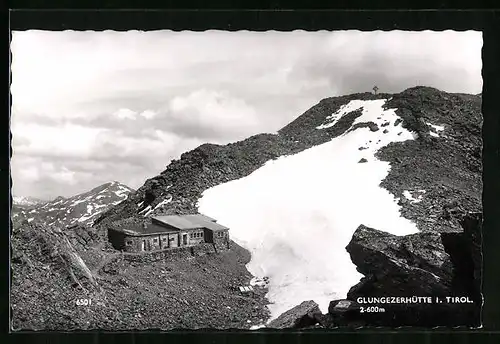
[
  {"x": 304, "y": 315},
  {"x": 393, "y": 265},
  {"x": 429, "y": 268}
]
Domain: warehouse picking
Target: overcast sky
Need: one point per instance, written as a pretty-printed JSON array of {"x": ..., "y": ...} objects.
[{"x": 92, "y": 107}]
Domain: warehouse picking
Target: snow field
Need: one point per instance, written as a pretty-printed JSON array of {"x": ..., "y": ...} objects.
[{"x": 296, "y": 214}]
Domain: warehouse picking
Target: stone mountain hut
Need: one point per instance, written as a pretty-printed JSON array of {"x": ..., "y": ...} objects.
[{"x": 168, "y": 232}]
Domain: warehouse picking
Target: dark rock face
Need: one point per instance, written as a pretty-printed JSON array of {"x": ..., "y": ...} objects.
[
  {"x": 304, "y": 315},
  {"x": 396, "y": 265},
  {"x": 465, "y": 252},
  {"x": 343, "y": 313},
  {"x": 430, "y": 265}
]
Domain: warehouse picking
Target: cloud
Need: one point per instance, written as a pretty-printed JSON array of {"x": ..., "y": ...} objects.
[
  {"x": 212, "y": 112},
  {"x": 148, "y": 114},
  {"x": 89, "y": 107},
  {"x": 125, "y": 114},
  {"x": 68, "y": 139}
]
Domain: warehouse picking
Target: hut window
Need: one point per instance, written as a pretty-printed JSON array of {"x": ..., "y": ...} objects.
[
  {"x": 155, "y": 240},
  {"x": 128, "y": 243}
]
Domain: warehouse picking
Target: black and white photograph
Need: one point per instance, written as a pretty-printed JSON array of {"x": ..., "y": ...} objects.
[{"x": 258, "y": 181}]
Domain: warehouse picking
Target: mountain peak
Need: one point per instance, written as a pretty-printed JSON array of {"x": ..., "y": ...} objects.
[
  {"x": 24, "y": 201},
  {"x": 422, "y": 111},
  {"x": 79, "y": 209}
]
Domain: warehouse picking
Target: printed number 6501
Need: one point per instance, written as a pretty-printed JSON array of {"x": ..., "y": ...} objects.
[{"x": 83, "y": 302}]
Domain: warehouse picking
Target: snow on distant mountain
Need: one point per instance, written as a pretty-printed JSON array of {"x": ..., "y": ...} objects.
[
  {"x": 23, "y": 201},
  {"x": 79, "y": 209}
]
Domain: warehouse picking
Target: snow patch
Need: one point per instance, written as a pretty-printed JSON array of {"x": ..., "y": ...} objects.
[
  {"x": 408, "y": 195},
  {"x": 343, "y": 110},
  {"x": 85, "y": 218},
  {"x": 164, "y": 202},
  {"x": 77, "y": 202},
  {"x": 256, "y": 281},
  {"x": 436, "y": 128},
  {"x": 122, "y": 193},
  {"x": 296, "y": 214},
  {"x": 97, "y": 206},
  {"x": 146, "y": 211},
  {"x": 90, "y": 207}
]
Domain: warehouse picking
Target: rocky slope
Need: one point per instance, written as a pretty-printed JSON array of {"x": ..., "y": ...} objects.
[
  {"x": 54, "y": 272},
  {"x": 79, "y": 209}
]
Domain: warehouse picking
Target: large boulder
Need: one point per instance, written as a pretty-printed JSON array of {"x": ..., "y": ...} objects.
[
  {"x": 424, "y": 267},
  {"x": 411, "y": 265},
  {"x": 345, "y": 313},
  {"x": 304, "y": 315}
]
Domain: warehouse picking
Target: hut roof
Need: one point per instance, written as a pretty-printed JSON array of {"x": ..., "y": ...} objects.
[
  {"x": 171, "y": 224},
  {"x": 192, "y": 221}
]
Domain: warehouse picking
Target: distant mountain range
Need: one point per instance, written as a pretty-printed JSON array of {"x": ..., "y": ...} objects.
[
  {"x": 79, "y": 209},
  {"x": 22, "y": 201}
]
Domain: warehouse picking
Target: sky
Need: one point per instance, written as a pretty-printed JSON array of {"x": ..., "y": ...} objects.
[{"x": 92, "y": 107}]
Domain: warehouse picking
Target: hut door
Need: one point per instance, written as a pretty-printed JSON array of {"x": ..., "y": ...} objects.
[{"x": 184, "y": 239}]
